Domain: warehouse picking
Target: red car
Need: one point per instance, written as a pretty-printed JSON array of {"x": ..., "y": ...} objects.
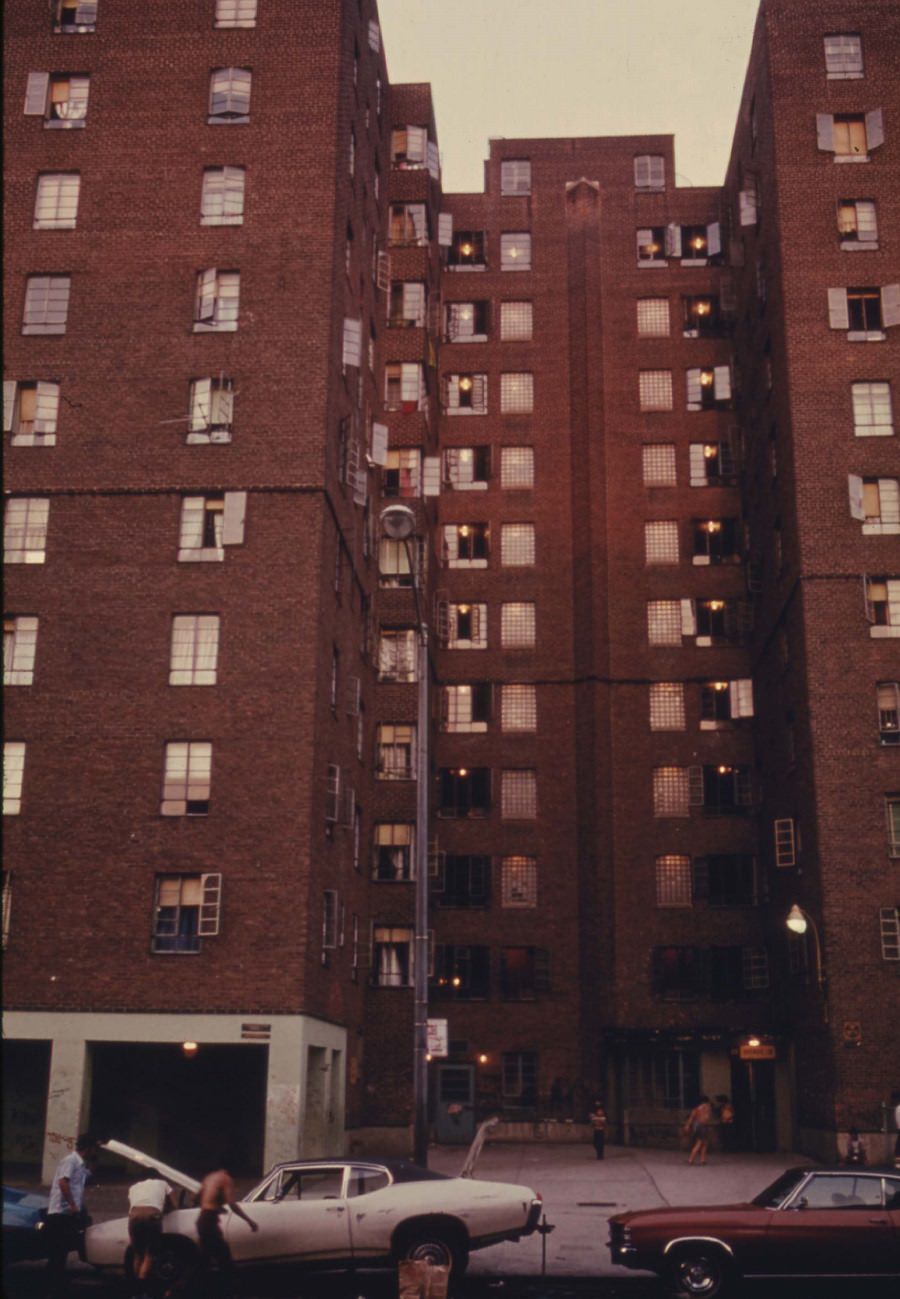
[{"x": 811, "y": 1222}]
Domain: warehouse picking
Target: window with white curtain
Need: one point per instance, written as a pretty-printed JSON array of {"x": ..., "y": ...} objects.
[
  {"x": 194, "y": 652},
  {"x": 56, "y": 202},
  {"x": 229, "y": 96},
  {"x": 222, "y": 196}
]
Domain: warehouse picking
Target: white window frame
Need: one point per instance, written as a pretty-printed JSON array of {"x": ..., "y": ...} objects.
[
  {"x": 194, "y": 649},
  {"x": 84, "y": 16},
  {"x": 20, "y": 635},
  {"x": 187, "y": 778},
  {"x": 235, "y": 13},
  {"x": 222, "y": 196},
  {"x": 211, "y": 406},
  {"x": 40, "y": 429},
  {"x": 56, "y": 200},
  {"x": 478, "y": 616},
  {"x": 515, "y": 250},
  {"x": 217, "y": 301},
  {"x": 650, "y": 172},
  {"x": 872, "y": 397},
  {"x": 14, "y": 752},
  {"x": 26, "y": 522},
  {"x": 843, "y": 56},
  {"x": 229, "y": 96},
  {"x": 46, "y": 304},
  {"x": 515, "y": 176}
]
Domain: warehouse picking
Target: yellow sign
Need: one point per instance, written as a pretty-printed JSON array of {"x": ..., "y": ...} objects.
[{"x": 764, "y": 1051}]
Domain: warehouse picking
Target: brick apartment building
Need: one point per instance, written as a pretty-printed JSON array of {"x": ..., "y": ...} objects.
[{"x": 647, "y": 435}]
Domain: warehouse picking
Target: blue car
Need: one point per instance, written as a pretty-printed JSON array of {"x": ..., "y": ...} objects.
[{"x": 23, "y": 1225}]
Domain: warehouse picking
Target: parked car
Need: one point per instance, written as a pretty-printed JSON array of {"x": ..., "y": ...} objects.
[
  {"x": 337, "y": 1212},
  {"x": 23, "y": 1225},
  {"x": 811, "y": 1222}
]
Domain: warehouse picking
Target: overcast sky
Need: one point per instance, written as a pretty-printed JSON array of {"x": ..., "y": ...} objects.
[{"x": 519, "y": 68}]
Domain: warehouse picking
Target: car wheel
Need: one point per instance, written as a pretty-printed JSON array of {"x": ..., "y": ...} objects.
[
  {"x": 699, "y": 1271},
  {"x": 435, "y": 1245},
  {"x": 174, "y": 1262}
]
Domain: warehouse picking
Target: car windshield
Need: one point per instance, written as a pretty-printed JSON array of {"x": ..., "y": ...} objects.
[{"x": 775, "y": 1194}]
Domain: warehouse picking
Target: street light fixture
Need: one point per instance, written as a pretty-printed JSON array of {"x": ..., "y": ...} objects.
[
  {"x": 398, "y": 522},
  {"x": 798, "y": 921}
]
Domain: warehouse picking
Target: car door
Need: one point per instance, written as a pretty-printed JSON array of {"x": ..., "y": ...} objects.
[
  {"x": 304, "y": 1216},
  {"x": 836, "y": 1223}
]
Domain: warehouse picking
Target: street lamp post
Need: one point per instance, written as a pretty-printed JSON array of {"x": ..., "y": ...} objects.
[
  {"x": 798, "y": 921},
  {"x": 398, "y": 523}
]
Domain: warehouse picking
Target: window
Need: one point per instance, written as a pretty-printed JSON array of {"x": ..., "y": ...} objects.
[
  {"x": 466, "y": 708},
  {"x": 467, "y": 469},
  {"x": 872, "y": 409},
  {"x": 892, "y": 810},
  {"x": 653, "y": 317},
  {"x": 650, "y": 171},
  {"x": 329, "y": 920},
  {"x": 61, "y": 98},
  {"x": 661, "y": 542},
  {"x": 721, "y": 702},
  {"x": 864, "y": 312},
  {"x": 857, "y": 223},
  {"x": 658, "y": 462},
  {"x": 720, "y": 621},
  {"x": 524, "y": 972},
  {"x": 701, "y": 316},
  {"x": 408, "y": 225},
  {"x": 229, "y": 96},
  {"x": 515, "y": 176},
  {"x": 46, "y": 304},
  {"x": 876, "y": 501},
  {"x": 202, "y": 530},
  {"x": 235, "y": 13},
  {"x": 195, "y": 649},
  {"x": 651, "y": 246},
  {"x": 712, "y": 464},
  {"x": 7, "y": 904},
  {"x": 392, "y": 851},
  {"x": 216, "y": 301},
  {"x": 519, "y": 1078},
  {"x": 187, "y": 910},
  {"x": 395, "y": 751},
  {"x": 465, "y": 394},
  {"x": 466, "y": 626},
  {"x": 397, "y": 654},
  {"x": 517, "y": 394},
  {"x": 409, "y": 148},
  {"x": 670, "y": 791},
  {"x": 517, "y": 545},
  {"x": 222, "y": 196},
  {"x": 518, "y": 795},
  {"x": 516, "y": 321},
  {"x": 13, "y": 776},
  {"x": 695, "y": 244},
  {"x": 717, "y": 541},
  {"x": 518, "y": 877},
  {"x": 401, "y": 476},
  {"x": 75, "y": 16},
  {"x": 392, "y": 956},
  {"x": 664, "y": 622},
  {"x": 726, "y": 880},
  {"x": 56, "y": 203},
  {"x": 212, "y": 408},
  {"x": 466, "y": 322},
  {"x": 843, "y": 57},
  {"x": 850, "y": 136},
  {"x": 883, "y": 606},
  {"x": 515, "y": 252},
  {"x": 888, "y": 700},
  {"x": 461, "y": 973},
  {"x": 516, "y": 468},
  {"x": 518, "y": 708},
  {"x": 889, "y": 924},
  {"x": 466, "y": 545},
  {"x": 394, "y": 563},
  {"x": 406, "y": 304},
  {"x": 674, "y": 881},
  {"x": 517, "y": 625},
  {"x": 721, "y": 789},
  {"x": 188, "y": 774},
  {"x": 25, "y": 530},
  {"x": 667, "y": 706},
  {"x": 404, "y": 386},
  {"x": 19, "y": 649},
  {"x": 30, "y": 411},
  {"x": 464, "y": 881},
  {"x": 467, "y": 251},
  {"x": 709, "y": 388},
  {"x": 655, "y": 389},
  {"x": 465, "y": 791},
  {"x": 678, "y": 972}
]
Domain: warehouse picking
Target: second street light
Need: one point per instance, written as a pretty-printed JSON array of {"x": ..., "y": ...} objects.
[{"x": 398, "y": 523}]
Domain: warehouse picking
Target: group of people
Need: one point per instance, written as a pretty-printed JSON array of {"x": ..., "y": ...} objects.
[{"x": 148, "y": 1201}]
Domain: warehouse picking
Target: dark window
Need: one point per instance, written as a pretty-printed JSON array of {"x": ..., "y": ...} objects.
[
  {"x": 678, "y": 972},
  {"x": 524, "y": 972},
  {"x": 464, "y": 881},
  {"x": 702, "y": 318},
  {"x": 715, "y": 701},
  {"x": 461, "y": 973},
  {"x": 726, "y": 789},
  {"x": 726, "y": 880},
  {"x": 717, "y": 540},
  {"x": 864, "y": 310},
  {"x": 465, "y": 791}
]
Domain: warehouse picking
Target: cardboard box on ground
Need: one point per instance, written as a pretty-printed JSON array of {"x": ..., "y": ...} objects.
[{"x": 420, "y": 1279}]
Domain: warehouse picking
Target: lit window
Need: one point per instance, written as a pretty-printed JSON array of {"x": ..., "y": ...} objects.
[
  {"x": 717, "y": 541},
  {"x": 712, "y": 464},
  {"x": 655, "y": 389},
  {"x": 674, "y": 881},
  {"x": 517, "y": 625},
  {"x": 708, "y": 388},
  {"x": 195, "y": 649},
  {"x": 13, "y": 776},
  {"x": 466, "y": 545},
  {"x": 30, "y": 412},
  {"x": 515, "y": 176},
  {"x": 46, "y": 304},
  {"x": 465, "y": 791},
  {"x": 395, "y": 751},
  {"x": 653, "y": 317},
  {"x": 518, "y": 877},
  {"x": 61, "y": 98},
  {"x": 518, "y": 795},
  {"x": 888, "y": 700},
  {"x": 467, "y": 469},
  {"x": 517, "y": 394},
  {"x": 216, "y": 302},
  {"x": 516, "y": 321},
  {"x": 392, "y": 957},
  {"x": 650, "y": 171},
  {"x": 392, "y": 851},
  {"x": 229, "y": 96},
  {"x": 651, "y": 246},
  {"x": 235, "y": 13},
  {"x": 19, "y": 649},
  {"x": 701, "y": 316},
  {"x": 466, "y": 626},
  {"x": 56, "y": 204},
  {"x": 857, "y": 223},
  {"x": 872, "y": 409},
  {"x": 188, "y": 773},
  {"x": 518, "y": 708},
  {"x": 212, "y": 410},
  {"x": 664, "y": 622},
  {"x": 843, "y": 57},
  {"x": 671, "y": 791},
  {"x": 187, "y": 910},
  {"x": 467, "y": 322},
  {"x": 467, "y": 251},
  {"x": 222, "y": 196},
  {"x": 661, "y": 542},
  {"x": 515, "y": 252},
  {"x": 517, "y": 545},
  {"x": 397, "y": 654},
  {"x": 466, "y": 708},
  {"x": 516, "y": 467},
  {"x": 75, "y": 16},
  {"x": 667, "y": 706},
  {"x": 658, "y": 460},
  {"x": 25, "y": 530}
]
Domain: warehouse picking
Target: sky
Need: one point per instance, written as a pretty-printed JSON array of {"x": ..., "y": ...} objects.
[{"x": 521, "y": 68}]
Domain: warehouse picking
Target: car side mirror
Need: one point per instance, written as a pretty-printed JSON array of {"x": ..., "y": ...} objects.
[{"x": 802, "y": 1203}]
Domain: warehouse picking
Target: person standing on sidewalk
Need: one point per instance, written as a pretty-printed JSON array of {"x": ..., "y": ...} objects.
[
  {"x": 65, "y": 1212},
  {"x": 598, "y": 1126},
  {"x": 697, "y": 1126},
  {"x": 147, "y": 1202}
]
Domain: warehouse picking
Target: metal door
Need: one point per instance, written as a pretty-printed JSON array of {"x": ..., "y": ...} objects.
[{"x": 455, "y": 1112}]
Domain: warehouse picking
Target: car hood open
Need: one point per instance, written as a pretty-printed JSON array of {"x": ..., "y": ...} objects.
[{"x": 150, "y": 1161}]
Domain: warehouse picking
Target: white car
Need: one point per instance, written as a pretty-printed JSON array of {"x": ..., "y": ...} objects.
[{"x": 336, "y": 1212}]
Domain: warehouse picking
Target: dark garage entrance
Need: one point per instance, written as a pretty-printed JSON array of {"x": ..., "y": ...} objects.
[
  {"x": 26, "y": 1075},
  {"x": 185, "y": 1110}
]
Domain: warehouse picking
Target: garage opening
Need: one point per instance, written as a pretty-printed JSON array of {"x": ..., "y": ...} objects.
[
  {"x": 186, "y": 1110},
  {"x": 26, "y": 1077}
]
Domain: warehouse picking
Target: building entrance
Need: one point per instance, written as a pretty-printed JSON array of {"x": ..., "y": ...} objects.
[{"x": 753, "y": 1092}]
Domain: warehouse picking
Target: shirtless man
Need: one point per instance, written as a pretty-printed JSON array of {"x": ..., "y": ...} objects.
[{"x": 216, "y": 1193}]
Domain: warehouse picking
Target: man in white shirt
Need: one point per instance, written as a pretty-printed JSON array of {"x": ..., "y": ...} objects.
[
  {"x": 147, "y": 1202},
  {"x": 65, "y": 1212}
]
